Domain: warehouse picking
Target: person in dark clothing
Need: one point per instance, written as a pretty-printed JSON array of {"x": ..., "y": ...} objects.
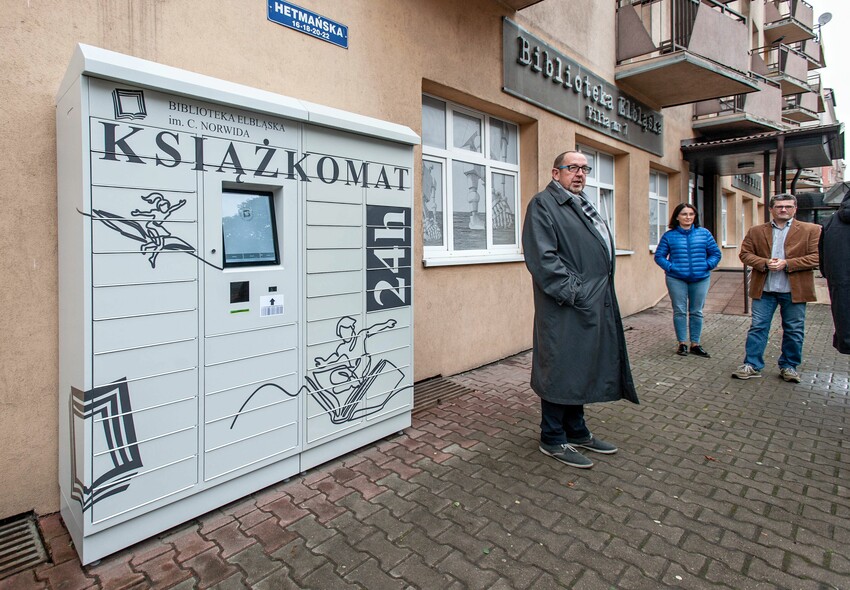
[
  {"x": 834, "y": 249},
  {"x": 688, "y": 254},
  {"x": 579, "y": 350}
]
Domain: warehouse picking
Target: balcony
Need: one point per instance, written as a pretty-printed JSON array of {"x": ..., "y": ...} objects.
[
  {"x": 741, "y": 114},
  {"x": 817, "y": 88},
  {"x": 750, "y": 183},
  {"x": 784, "y": 65},
  {"x": 805, "y": 178},
  {"x": 813, "y": 51},
  {"x": 787, "y": 21},
  {"x": 801, "y": 108},
  {"x": 673, "y": 52},
  {"x": 828, "y": 114}
]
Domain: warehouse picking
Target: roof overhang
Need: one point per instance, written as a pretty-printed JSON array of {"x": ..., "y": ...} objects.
[{"x": 809, "y": 147}]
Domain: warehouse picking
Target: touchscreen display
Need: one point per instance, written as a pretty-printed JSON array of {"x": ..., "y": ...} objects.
[{"x": 248, "y": 228}]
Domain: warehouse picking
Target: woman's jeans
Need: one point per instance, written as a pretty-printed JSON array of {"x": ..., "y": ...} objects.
[
  {"x": 793, "y": 326},
  {"x": 688, "y": 300}
]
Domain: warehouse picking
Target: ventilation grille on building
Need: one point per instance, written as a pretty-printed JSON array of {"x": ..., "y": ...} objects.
[
  {"x": 427, "y": 394},
  {"x": 20, "y": 545}
]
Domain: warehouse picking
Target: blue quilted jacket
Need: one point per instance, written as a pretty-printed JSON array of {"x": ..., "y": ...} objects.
[{"x": 688, "y": 255}]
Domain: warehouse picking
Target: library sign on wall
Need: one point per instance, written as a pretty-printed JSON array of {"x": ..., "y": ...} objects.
[
  {"x": 538, "y": 73},
  {"x": 235, "y": 292}
]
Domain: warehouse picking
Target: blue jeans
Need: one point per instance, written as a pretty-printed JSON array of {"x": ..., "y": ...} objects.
[
  {"x": 560, "y": 422},
  {"x": 688, "y": 300},
  {"x": 793, "y": 324}
]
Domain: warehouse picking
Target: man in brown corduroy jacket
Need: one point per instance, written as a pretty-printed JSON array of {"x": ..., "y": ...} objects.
[{"x": 783, "y": 254}]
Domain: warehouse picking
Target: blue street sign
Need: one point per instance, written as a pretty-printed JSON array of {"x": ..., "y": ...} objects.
[{"x": 308, "y": 22}]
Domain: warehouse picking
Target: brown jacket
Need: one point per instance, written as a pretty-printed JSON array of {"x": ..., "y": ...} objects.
[{"x": 801, "y": 257}]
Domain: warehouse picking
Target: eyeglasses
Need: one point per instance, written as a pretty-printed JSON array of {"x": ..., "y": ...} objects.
[
  {"x": 575, "y": 168},
  {"x": 785, "y": 206}
]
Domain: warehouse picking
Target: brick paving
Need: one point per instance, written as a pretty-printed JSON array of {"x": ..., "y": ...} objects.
[{"x": 719, "y": 483}]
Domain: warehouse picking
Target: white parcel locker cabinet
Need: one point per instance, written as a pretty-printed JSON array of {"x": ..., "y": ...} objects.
[{"x": 235, "y": 292}]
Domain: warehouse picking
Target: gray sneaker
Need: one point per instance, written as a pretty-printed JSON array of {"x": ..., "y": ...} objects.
[
  {"x": 566, "y": 454},
  {"x": 594, "y": 444},
  {"x": 746, "y": 372},
  {"x": 789, "y": 374}
]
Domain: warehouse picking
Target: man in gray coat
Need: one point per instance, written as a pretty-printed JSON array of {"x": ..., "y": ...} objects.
[{"x": 579, "y": 354}]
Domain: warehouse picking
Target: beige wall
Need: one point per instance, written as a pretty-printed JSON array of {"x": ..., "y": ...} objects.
[
  {"x": 739, "y": 202},
  {"x": 465, "y": 316}
]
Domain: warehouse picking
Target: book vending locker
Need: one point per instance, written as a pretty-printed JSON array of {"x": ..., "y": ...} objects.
[{"x": 235, "y": 292}]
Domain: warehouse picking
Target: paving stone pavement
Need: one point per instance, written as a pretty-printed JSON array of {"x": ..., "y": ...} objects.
[{"x": 719, "y": 483}]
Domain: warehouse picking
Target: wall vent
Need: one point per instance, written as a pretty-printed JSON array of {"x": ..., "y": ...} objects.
[
  {"x": 20, "y": 545},
  {"x": 432, "y": 392}
]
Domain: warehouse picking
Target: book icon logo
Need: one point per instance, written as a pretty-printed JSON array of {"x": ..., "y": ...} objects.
[{"x": 129, "y": 104}]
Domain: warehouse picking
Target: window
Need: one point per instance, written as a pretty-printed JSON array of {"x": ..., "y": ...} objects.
[
  {"x": 724, "y": 218},
  {"x": 470, "y": 185},
  {"x": 658, "y": 204},
  {"x": 741, "y": 228},
  {"x": 696, "y": 192},
  {"x": 600, "y": 184}
]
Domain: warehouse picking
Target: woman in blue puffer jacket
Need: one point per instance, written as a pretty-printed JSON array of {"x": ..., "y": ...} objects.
[{"x": 687, "y": 253}]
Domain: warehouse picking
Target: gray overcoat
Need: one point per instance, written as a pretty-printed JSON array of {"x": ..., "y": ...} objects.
[{"x": 579, "y": 354}]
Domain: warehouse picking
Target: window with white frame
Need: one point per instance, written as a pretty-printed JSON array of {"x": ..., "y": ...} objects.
[
  {"x": 658, "y": 204},
  {"x": 600, "y": 184},
  {"x": 470, "y": 184},
  {"x": 724, "y": 218}
]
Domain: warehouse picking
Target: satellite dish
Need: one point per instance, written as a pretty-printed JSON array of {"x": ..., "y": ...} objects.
[{"x": 824, "y": 18}]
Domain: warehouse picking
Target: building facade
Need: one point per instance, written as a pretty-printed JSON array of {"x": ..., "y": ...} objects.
[{"x": 494, "y": 88}]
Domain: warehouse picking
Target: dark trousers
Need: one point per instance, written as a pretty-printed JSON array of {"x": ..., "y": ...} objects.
[{"x": 561, "y": 423}]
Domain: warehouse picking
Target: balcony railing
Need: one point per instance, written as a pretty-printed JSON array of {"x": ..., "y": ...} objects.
[
  {"x": 817, "y": 87},
  {"x": 788, "y": 21},
  {"x": 673, "y": 52},
  {"x": 813, "y": 51},
  {"x": 670, "y": 25}
]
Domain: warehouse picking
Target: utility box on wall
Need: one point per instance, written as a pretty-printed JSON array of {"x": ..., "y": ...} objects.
[{"x": 235, "y": 292}]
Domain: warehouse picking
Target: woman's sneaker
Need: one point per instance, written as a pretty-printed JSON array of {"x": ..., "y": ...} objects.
[
  {"x": 746, "y": 372},
  {"x": 698, "y": 350},
  {"x": 566, "y": 454}
]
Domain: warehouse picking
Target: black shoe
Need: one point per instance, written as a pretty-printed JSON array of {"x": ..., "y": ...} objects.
[
  {"x": 698, "y": 350},
  {"x": 568, "y": 454},
  {"x": 682, "y": 350},
  {"x": 594, "y": 444}
]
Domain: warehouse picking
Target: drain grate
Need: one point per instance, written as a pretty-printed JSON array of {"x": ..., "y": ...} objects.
[
  {"x": 20, "y": 545},
  {"x": 432, "y": 392}
]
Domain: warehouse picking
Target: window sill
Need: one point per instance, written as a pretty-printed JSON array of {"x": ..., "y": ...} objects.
[
  {"x": 652, "y": 249},
  {"x": 729, "y": 246},
  {"x": 463, "y": 260},
  {"x": 623, "y": 252}
]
